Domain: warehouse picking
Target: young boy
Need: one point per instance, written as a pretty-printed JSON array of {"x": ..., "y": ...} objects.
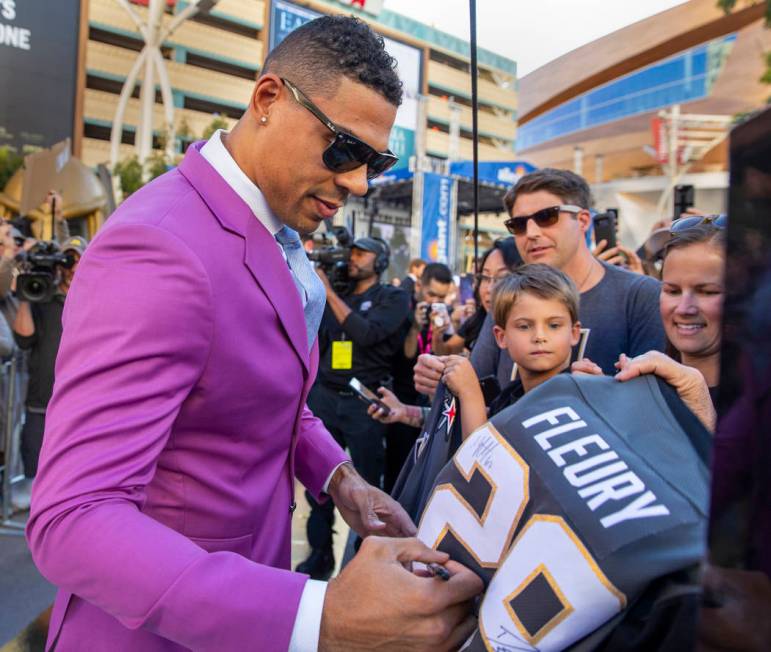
[{"x": 536, "y": 320}]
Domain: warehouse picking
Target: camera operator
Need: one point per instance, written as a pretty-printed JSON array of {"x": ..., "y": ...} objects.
[
  {"x": 13, "y": 242},
  {"x": 358, "y": 337},
  {"x": 432, "y": 290},
  {"x": 37, "y": 329}
]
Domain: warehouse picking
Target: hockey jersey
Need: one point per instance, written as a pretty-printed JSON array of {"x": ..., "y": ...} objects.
[
  {"x": 570, "y": 504},
  {"x": 440, "y": 437}
]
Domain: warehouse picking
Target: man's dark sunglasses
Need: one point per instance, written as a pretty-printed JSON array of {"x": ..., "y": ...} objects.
[
  {"x": 543, "y": 218},
  {"x": 345, "y": 152}
]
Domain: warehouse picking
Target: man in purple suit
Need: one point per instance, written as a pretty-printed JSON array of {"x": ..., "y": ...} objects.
[{"x": 162, "y": 507}]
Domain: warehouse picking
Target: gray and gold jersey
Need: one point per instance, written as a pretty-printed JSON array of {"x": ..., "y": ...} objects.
[{"x": 569, "y": 504}]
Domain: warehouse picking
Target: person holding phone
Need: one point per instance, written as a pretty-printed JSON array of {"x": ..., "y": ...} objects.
[
  {"x": 432, "y": 289},
  {"x": 607, "y": 248},
  {"x": 360, "y": 333},
  {"x": 497, "y": 263}
]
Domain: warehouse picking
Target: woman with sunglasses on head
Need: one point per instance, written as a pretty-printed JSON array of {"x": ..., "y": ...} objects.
[
  {"x": 691, "y": 303},
  {"x": 497, "y": 262},
  {"x": 692, "y": 291}
]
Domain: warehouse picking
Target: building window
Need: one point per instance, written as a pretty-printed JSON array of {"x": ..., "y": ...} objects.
[
  {"x": 122, "y": 41},
  {"x": 205, "y": 106},
  {"x": 102, "y": 132},
  {"x": 220, "y": 66},
  {"x": 227, "y": 25}
]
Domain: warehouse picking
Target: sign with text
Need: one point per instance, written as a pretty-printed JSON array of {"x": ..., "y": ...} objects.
[
  {"x": 437, "y": 218},
  {"x": 286, "y": 17},
  {"x": 38, "y": 71}
]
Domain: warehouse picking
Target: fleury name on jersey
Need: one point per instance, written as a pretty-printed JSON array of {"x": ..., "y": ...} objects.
[{"x": 604, "y": 480}]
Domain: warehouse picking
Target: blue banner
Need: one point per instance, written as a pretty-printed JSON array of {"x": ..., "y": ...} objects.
[
  {"x": 504, "y": 173},
  {"x": 437, "y": 204}
]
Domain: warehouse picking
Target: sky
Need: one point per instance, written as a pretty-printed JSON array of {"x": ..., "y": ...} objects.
[{"x": 532, "y": 32}]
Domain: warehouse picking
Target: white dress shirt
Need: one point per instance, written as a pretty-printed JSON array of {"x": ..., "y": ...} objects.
[{"x": 307, "y": 624}]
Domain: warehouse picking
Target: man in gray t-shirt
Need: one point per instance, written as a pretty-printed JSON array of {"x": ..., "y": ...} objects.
[{"x": 550, "y": 219}]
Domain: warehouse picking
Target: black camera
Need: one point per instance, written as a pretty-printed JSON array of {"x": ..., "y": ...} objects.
[
  {"x": 38, "y": 278},
  {"x": 333, "y": 258}
]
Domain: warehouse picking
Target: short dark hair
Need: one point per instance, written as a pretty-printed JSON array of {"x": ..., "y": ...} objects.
[
  {"x": 543, "y": 281},
  {"x": 508, "y": 248},
  {"x": 568, "y": 186},
  {"x": 317, "y": 54},
  {"x": 436, "y": 272}
]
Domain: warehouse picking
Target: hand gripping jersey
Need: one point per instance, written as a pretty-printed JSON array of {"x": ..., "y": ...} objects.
[{"x": 569, "y": 504}]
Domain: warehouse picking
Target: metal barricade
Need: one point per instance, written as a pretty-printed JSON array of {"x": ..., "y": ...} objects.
[{"x": 11, "y": 385}]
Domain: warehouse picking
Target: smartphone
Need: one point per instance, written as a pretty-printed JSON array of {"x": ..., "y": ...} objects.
[
  {"x": 683, "y": 200},
  {"x": 440, "y": 315},
  {"x": 614, "y": 213},
  {"x": 466, "y": 288},
  {"x": 605, "y": 229},
  {"x": 368, "y": 396}
]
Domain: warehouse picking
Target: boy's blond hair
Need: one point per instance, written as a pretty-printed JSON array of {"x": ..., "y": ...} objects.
[{"x": 540, "y": 280}]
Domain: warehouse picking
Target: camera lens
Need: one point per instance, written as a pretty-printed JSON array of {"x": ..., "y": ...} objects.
[{"x": 34, "y": 290}]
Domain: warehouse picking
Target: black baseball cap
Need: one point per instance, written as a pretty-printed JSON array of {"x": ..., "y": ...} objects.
[
  {"x": 370, "y": 244},
  {"x": 76, "y": 243}
]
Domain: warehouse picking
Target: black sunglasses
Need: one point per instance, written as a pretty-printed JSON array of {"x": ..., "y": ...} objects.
[
  {"x": 345, "y": 152},
  {"x": 544, "y": 217}
]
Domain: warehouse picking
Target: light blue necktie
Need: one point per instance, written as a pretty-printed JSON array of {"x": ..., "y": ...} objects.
[{"x": 309, "y": 285}]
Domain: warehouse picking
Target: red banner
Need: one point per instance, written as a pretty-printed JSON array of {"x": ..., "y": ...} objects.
[{"x": 660, "y": 143}]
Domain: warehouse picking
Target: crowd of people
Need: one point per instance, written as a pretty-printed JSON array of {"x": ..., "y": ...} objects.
[
  {"x": 617, "y": 314},
  {"x": 546, "y": 302},
  {"x": 205, "y": 365}
]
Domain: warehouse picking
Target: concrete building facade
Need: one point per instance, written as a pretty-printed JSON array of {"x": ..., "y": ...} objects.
[
  {"x": 214, "y": 58},
  {"x": 594, "y": 109}
]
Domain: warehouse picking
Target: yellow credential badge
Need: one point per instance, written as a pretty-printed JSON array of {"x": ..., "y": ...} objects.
[{"x": 342, "y": 355}]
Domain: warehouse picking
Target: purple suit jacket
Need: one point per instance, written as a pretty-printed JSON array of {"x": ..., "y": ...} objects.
[{"x": 177, "y": 426}]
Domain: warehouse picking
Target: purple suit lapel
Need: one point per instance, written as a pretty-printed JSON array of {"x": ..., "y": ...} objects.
[{"x": 261, "y": 253}]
